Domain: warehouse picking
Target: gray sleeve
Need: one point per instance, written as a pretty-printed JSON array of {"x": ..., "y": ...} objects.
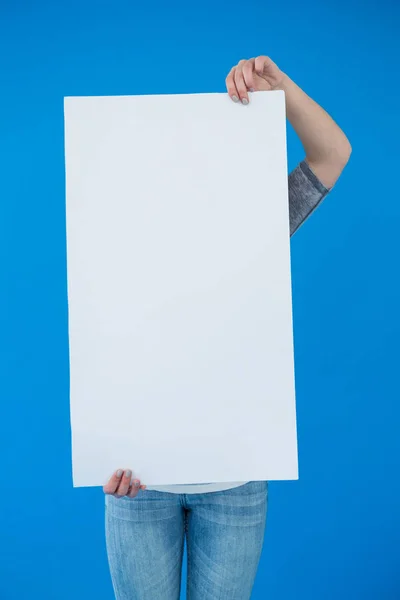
[{"x": 306, "y": 192}]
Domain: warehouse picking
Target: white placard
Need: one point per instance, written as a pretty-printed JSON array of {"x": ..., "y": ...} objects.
[{"x": 180, "y": 316}]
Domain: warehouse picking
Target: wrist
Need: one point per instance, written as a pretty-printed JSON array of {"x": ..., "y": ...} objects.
[{"x": 284, "y": 83}]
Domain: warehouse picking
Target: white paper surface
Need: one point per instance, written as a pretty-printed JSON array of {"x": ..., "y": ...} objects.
[{"x": 180, "y": 322}]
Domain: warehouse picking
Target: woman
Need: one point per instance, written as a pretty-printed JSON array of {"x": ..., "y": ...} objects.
[{"x": 223, "y": 524}]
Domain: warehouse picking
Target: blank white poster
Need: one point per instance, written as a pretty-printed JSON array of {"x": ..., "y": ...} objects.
[{"x": 179, "y": 291}]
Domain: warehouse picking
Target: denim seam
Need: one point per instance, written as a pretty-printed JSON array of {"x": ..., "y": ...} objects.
[{"x": 188, "y": 552}]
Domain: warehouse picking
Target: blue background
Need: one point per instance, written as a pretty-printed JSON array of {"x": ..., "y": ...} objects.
[{"x": 336, "y": 532}]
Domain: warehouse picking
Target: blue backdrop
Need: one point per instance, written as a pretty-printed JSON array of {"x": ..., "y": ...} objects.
[{"x": 336, "y": 532}]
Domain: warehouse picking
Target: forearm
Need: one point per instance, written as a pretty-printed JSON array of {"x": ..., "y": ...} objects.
[{"x": 326, "y": 146}]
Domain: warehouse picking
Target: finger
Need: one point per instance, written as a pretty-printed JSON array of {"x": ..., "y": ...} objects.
[
  {"x": 112, "y": 484},
  {"x": 230, "y": 85},
  {"x": 240, "y": 84},
  {"x": 260, "y": 63},
  {"x": 124, "y": 484},
  {"x": 134, "y": 489},
  {"x": 248, "y": 74}
]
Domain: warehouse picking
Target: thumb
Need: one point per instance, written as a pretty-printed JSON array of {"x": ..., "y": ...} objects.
[{"x": 262, "y": 64}]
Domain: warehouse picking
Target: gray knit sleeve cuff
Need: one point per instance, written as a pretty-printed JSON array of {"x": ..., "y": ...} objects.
[{"x": 306, "y": 193}]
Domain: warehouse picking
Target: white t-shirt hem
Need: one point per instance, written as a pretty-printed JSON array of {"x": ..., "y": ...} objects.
[{"x": 197, "y": 488}]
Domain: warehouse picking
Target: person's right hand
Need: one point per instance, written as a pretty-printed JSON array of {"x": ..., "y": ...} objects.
[
  {"x": 121, "y": 484},
  {"x": 257, "y": 75}
]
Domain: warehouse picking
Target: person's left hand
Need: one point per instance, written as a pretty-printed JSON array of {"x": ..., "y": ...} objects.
[{"x": 254, "y": 75}]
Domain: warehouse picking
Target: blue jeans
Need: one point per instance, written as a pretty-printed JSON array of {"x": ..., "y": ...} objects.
[{"x": 224, "y": 534}]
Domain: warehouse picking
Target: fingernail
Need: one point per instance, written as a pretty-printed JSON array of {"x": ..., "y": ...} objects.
[
  {"x": 128, "y": 474},
  {"x": 245, "y": 101},
  {"x": 137, "y": 483},
  {"x": 119, "y": 473},
  {"x": 235, "y": 98}
]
